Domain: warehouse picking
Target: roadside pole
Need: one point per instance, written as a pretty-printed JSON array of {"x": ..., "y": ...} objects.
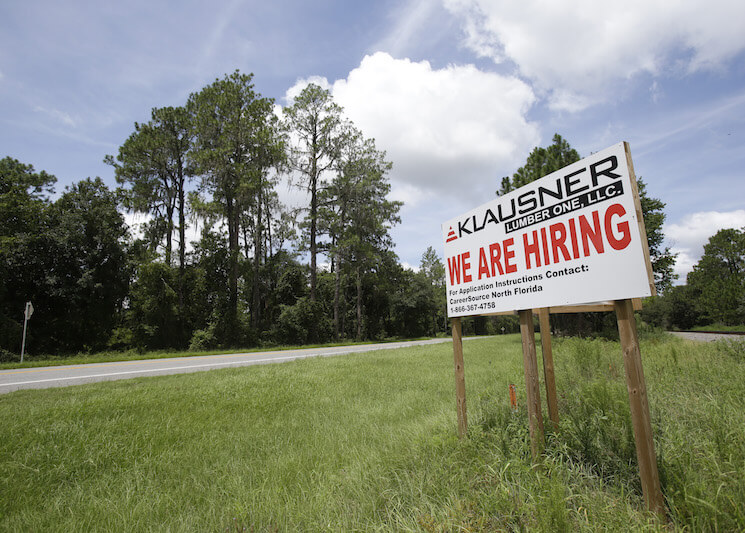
[{"x": 26, "y": 315}]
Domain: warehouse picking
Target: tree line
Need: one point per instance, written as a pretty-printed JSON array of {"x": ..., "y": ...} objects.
[
  {"x": 215, "y": 164},
  {"x": 253, "y": 276},
  {"x": 714, "y": 292}
]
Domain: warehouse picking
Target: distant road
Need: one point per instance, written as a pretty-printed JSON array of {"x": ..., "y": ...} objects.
[
  {"x": 62, "y": 376},
  {"x": 707, "y": 337}
]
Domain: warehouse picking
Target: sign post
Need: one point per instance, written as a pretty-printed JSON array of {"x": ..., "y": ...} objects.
[
  {"x": 548, "y": 367},
  {"x": 460, "y": 378},
  {"x": 572, "y": 241},
  {"x": 532, "y": 387},
  {"x": 28, "y": 311},
  {"x": 640, "y": 418}
]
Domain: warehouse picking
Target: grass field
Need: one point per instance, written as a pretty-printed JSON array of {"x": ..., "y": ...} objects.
[{"x": 368, "y": 443}]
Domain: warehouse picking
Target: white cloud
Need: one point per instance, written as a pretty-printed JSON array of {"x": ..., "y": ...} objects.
[
  {"x": 655, "y": 92},
  {"x": 135, "y": 222},
  {"x": 409, "y": 266},
  {"x": 410, "y": 195},
  {"x": 408, "y": 21},
  {"x": 688, "y": 237},
  {"x": 57, "y": 115},
  {"x": 225, "y": 17},
  {"x": 454, "y": 131},
  {"x": 576, "y": 51}
]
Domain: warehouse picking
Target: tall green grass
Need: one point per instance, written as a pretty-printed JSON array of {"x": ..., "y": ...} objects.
[{"x": 368, "y": 443}]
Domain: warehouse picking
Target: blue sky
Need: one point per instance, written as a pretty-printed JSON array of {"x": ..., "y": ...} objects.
[{"x": 456, "y": 91}]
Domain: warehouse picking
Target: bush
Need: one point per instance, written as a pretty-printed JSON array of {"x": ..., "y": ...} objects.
[
  {"x": 121, "y": 338},
  {"x": 305, "y": 322},
  {"x": 8, "y": 357},
  {"x": 11, "y": 332},
  {"x": 203, "y": 339}
]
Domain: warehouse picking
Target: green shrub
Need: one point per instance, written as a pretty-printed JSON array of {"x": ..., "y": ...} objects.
[
  {"x": 203, "y": 339},
  {"x": 7, "y": 356},
  {"x": 303, "y": 323},
  {"x": 121, "y": 338}
]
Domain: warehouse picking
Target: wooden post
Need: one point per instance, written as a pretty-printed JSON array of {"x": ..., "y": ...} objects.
[
  {"x": 548, "y": 368},
  {"x": 639, "y": 404},
  {"x": 532, "y": 388},
  {"x": 460, "y": 378}
]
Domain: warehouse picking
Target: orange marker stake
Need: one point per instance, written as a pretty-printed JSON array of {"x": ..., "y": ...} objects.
[{"x": 513, "y": 397}]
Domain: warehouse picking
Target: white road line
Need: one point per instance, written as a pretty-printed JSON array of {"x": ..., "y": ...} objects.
[{"x": 234, "y": 363}]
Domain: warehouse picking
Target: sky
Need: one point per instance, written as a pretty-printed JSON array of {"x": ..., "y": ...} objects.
[{"x": 457, "y": 92}]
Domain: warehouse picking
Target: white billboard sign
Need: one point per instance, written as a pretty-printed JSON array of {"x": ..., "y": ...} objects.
[{"x": 572, "y": 237}]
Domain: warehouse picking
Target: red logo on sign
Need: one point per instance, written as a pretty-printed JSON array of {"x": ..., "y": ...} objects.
[{"x": 451, "y": 235}]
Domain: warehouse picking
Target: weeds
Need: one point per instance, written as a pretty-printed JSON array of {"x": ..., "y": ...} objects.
[
  {"x": 732, "y": 348},
  {"x": 697, "y": 400}
]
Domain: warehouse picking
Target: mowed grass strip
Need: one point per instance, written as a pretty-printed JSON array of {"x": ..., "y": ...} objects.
[{"x": 368, "y": 443}]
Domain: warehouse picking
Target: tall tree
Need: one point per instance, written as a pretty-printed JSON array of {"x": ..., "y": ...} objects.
[
  {"x": 334, "y": 206},
  {"x": 69, "y": 258},
  {"x": 314, "y": 124},
  {"x": 152, "y": 164},
  {"x": 433, "y": 271},
  {"x": 24, "y": 194},
  {"x": 718, "y": 279},
  {"x": 90, "y": 275},
  {"x": 236, "y": 143},
  {"x": 359, "y": 231},
  {"x": 266, "y": 216},
  {"x": 24, "y": 219}
]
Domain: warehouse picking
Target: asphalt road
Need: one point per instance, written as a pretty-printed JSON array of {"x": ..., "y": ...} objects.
[
  {"x": 62, "y": 376},
  {"x": 706, "y": 337}
]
